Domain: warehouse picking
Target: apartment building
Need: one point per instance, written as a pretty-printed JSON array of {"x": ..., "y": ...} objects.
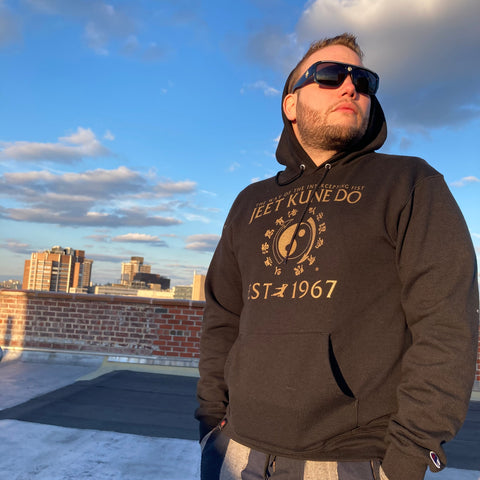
[
  {"x": 132, "y": 268},
  {"x": 138, "y": 275},
  {"x": 58, "y": 270}
]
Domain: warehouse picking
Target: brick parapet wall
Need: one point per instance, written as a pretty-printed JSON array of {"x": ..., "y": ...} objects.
[{"x": 112, "y": 325}]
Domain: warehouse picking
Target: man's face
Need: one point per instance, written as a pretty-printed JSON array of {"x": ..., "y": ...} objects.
[{"x": 329, "y": 119}]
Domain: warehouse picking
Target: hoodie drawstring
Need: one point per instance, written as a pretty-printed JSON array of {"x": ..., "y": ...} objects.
[{"x": 326, "y": 167}]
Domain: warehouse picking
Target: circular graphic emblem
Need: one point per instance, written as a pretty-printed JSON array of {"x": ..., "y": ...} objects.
[{"x": 294, "y": 241}]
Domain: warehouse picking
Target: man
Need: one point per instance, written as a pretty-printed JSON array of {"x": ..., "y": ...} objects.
[{"x": 341, "y": 320}]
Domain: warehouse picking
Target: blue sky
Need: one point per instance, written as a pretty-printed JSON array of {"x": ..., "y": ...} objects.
[{"x": 128, "y": 127}]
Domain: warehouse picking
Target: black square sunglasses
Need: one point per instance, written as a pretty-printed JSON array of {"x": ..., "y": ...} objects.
[{"x": 333, "y": 74}]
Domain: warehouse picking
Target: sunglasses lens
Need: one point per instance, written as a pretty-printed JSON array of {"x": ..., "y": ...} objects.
[
  {"x": 361, "y": 82},
  {"x": 333, "y": 75},
  {"x": 365, "y": 82},
  {"x": 330, "y": 74}
]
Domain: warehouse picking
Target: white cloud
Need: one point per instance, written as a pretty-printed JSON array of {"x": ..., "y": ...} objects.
[
  {"x": 103, "y": 22},
  {"x": 114, "y": 27},
  {"x": 465, "y": 181},
  {"x": 17, "y": 247},
  {"x": 96, "y": 38},
  {"x": 202, "y": 242},
  {"x": 134, "y": 237},
  {"x": 99, "y": 183},
  {"x": 208, "y": 193},
  {"x": 422, "y": 51},
  {"x": 80, "y": 144},
  {"x": 84, "y": 218},
  {"x": 140, "y": 238},
  {"x": 108, "y": 135},
  {"x": 169, "y": 188},
  {"x": 95, "y": 198},
  {"x": 267, "y": 90},
  {"x": 193, "y": 217},
  {"x": 99, "y": 238}
]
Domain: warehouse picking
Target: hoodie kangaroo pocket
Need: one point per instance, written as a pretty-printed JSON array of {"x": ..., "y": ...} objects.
[{"x": 286, "y": 391}]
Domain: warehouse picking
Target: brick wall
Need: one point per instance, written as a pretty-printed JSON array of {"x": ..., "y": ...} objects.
[
  {"x": 112, "y": 325},
  {"x": 104, "y": 324}
]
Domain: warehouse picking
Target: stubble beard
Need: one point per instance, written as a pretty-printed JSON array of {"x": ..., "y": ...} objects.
[{"x": 315, "y": 133}]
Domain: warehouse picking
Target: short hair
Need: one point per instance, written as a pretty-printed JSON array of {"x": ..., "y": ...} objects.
[{"x": 345, "y": 39}]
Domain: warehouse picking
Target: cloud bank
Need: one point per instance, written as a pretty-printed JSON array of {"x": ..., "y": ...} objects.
[
  {"x": 141, "y": 238},
  {"x": 424, "y": 51},
  {"x": 117, "y": 27},
  {"x": 69, "y": 149},
  {"x": 263, "y": 86},
  {"x": 202, "y": 242},
  {"x": 94, "y": 198},
  {"x": 465, "y": 181}
]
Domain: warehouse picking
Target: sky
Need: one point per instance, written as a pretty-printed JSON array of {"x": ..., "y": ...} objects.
[{"x": 127, "y": 127}]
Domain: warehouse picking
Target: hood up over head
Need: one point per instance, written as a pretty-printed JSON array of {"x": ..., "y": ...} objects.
[{"x": 291, "y": 154}]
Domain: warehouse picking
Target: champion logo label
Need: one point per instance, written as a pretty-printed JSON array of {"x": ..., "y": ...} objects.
[{"x": 434, "y": 458}]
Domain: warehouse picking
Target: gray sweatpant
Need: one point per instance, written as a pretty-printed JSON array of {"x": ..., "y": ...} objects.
[{"x": 225, "y": 459}]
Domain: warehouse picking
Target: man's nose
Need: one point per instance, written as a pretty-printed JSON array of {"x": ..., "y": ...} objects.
[{"x": 347, "y": 87}]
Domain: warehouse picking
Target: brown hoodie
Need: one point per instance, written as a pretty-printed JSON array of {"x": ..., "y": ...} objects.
[{"x": 342, "y": 311}]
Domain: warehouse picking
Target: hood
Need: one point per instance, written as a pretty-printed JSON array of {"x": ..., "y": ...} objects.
[{"x": 291, "y": 154}]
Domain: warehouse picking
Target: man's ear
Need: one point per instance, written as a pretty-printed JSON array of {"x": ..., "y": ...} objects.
[{"x": 290, "y": 106}]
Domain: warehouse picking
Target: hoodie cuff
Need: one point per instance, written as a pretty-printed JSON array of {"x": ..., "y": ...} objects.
[{"x": 398, "y": 466}]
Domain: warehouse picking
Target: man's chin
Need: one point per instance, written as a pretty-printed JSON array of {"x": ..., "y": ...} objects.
[
  {"x": 341, "y": 137},
  {"x": 346, "y": 121}
]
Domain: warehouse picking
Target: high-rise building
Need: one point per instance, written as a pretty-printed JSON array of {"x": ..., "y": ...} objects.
[
  {"x": 58, "y": 270},
  {"x": 138, "y": 275},
  {"x": 131, "y": 268},
  {"x": 198, "y": 290}
]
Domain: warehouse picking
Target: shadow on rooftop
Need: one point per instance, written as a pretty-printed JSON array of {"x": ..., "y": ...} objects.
[{"x": 124, "y": 401}]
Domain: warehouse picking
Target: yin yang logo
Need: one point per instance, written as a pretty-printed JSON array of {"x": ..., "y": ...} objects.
[{"x": 294, "y": 241}]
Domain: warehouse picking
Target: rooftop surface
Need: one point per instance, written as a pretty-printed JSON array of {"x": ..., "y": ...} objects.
[{"x": 86, "y": 417}]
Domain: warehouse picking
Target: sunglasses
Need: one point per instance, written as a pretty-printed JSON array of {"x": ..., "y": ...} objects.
[{"x": 333, "y": 74}]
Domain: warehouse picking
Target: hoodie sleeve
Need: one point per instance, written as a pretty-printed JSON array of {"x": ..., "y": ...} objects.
[
  {"x": 437, "y": 268},
  {"x": 223, "y": 293}
]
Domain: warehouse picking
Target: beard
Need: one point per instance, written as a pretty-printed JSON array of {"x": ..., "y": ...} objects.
[{"x": 316, "y": 133}]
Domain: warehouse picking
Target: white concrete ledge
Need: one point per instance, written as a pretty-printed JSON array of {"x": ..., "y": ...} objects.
[{"x": 102, "y": 363}]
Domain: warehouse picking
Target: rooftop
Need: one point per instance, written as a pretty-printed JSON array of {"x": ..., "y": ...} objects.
[{"x": 76, "y": 416}]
